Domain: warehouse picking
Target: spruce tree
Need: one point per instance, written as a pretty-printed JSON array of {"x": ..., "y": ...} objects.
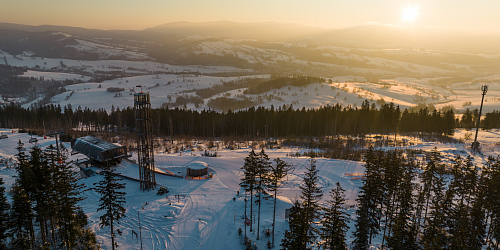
[
  {"x": 311, "y": 195},
  {"x": 390, "y": 164},
  {"x": 22, "y": 232},
  {"x": 477, "y": 227},
  {"x": 42, "y": 183},
  {"x": 111, "y": 202},
  {"x": 262, "y": 181},
  {"x": 428, "y": 178},
  {"x": 334, "y": 221},
  {"x": 403, "y": 228},
  {"x": 279, "y": 170},
  {"x": 4, "y": 216},
  {"x": 434, "y": 236},
  {"x": 22, "y": 214},
  {"x": 66, "y": 196},
  {"x": 466, "y": 220},
  {"x": 370, "y": 198},
  {"x": 296, "y": 237},
  {"x": 490, "y": 185},
  {"x": 362, "y": 230},
  {"x": 249, "y": 180}
]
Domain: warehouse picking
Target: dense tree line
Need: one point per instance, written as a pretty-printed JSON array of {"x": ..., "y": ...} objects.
[
  {"x": 429, "y": 206},
  {"x": 256, "y": 122},
  {"x": 492, "y": 120},
  {"x": 44, "y": 213},
  {"x": 277, "y": 83},
  {"x": 429, "y": 122},
  {"x": 407, "y": 201}
]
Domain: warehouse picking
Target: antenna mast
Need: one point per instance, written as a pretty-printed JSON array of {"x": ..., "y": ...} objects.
[{"x": 475, "y": 144}]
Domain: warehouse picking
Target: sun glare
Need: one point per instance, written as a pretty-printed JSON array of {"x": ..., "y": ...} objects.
[{"x": 409, "y": 14}]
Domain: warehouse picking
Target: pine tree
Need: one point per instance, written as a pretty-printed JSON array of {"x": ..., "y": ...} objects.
[
  {"x": 466, "y": 220},
  {"x": 334, "y": 222},
  {"x": 111, "y": 202},
  {"x": 428, "y": 178},
  {"x": 4, "y": 216},
  {"x": 403, "y": 228},
  {"x": 262, "y": 180},
  {"x": 296, "y": 237},
  {"x": 490, "y": 185},
  {"x": 22, "y": 215},
  {"x": 42, "y": 184},
  {"x": 249, "y": 180},
  {"x": 434, "y": 236},
  {"x": 279, "y": 170},
  {"x": 367, "y": 222},
  {"x": 362, "y": 231},
  {"x": 66, "y": 197},
  {"x": 311, "y": 195},
  {"x": 390, "y": 164},
  {"x": 477, "y": 227},
  {"x": 22, "y": 220}
]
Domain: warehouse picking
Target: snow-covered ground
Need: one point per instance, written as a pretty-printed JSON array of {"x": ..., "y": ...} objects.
[
  {"x": 144, "y": 66},
  {"x": 345, "y": 89},
  {"x": 208, "y": 213}
]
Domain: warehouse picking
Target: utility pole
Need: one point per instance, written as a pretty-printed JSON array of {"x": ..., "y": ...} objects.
[{"x": 475, "y": 144}]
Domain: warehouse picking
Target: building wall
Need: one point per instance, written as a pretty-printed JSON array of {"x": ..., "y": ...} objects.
[{"x": 196, "y": 172}]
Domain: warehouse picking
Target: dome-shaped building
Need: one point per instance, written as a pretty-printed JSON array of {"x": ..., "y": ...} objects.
[{"x": 197, "y": 168}]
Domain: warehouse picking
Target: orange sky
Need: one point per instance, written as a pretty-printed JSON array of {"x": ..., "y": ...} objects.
[{"x": 479, "y": 16}]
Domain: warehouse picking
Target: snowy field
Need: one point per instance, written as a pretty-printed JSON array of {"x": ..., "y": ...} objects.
[
  {"x": 143, "y": 66},
  {"x": 344, "y": 90},
  {"x": 167, "y": 87},
  {"x": 208, "y": 213}
]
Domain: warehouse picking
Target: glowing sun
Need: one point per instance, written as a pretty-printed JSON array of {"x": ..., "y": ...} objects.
[{"x": 409, "y": 14}]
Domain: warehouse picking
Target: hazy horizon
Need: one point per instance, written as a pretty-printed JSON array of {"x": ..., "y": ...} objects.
[{"x": 478, "y": 17}]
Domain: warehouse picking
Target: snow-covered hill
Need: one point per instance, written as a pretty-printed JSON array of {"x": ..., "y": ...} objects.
[{"x": 208, "y": 213}]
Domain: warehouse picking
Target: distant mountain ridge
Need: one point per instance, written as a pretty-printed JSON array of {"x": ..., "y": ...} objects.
[
  {"x": 271, "y": 31},
  {"x": 378, "y": 36}
]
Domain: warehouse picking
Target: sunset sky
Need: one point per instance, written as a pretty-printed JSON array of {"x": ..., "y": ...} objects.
[{"x": 479, "y": 16}]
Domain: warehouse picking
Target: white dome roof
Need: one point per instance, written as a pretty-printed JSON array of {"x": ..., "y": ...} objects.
[{"x": 196, "y": 165}]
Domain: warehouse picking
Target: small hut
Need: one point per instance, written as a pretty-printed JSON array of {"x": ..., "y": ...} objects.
[{"x": 197, "y": 168}]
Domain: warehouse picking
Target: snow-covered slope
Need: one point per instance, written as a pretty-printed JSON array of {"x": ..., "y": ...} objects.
[{"x": 209, "y": 212}]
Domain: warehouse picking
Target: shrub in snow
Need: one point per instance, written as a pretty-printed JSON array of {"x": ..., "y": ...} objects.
[{"x": 269, "y": 245}]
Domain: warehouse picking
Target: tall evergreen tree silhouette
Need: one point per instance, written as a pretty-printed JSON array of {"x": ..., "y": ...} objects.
[
  {"x": 111, "y": 202},
  {"x": 262, "y": 171},
  {"x": 311, "y": 195},
  {"x": 334, "y": 221},
  {"x": 249, "y": 180},
  {"x": 278, "y": 171},
  {"x": 296, "y": 237},
  {"x": 5, "y": 222}
]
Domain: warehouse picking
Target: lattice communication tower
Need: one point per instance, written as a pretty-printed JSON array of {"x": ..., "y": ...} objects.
[{"x": 143, "y": 129}]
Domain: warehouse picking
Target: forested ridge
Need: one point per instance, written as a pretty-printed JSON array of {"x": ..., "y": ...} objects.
[{"x": 259, "y": 122}]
